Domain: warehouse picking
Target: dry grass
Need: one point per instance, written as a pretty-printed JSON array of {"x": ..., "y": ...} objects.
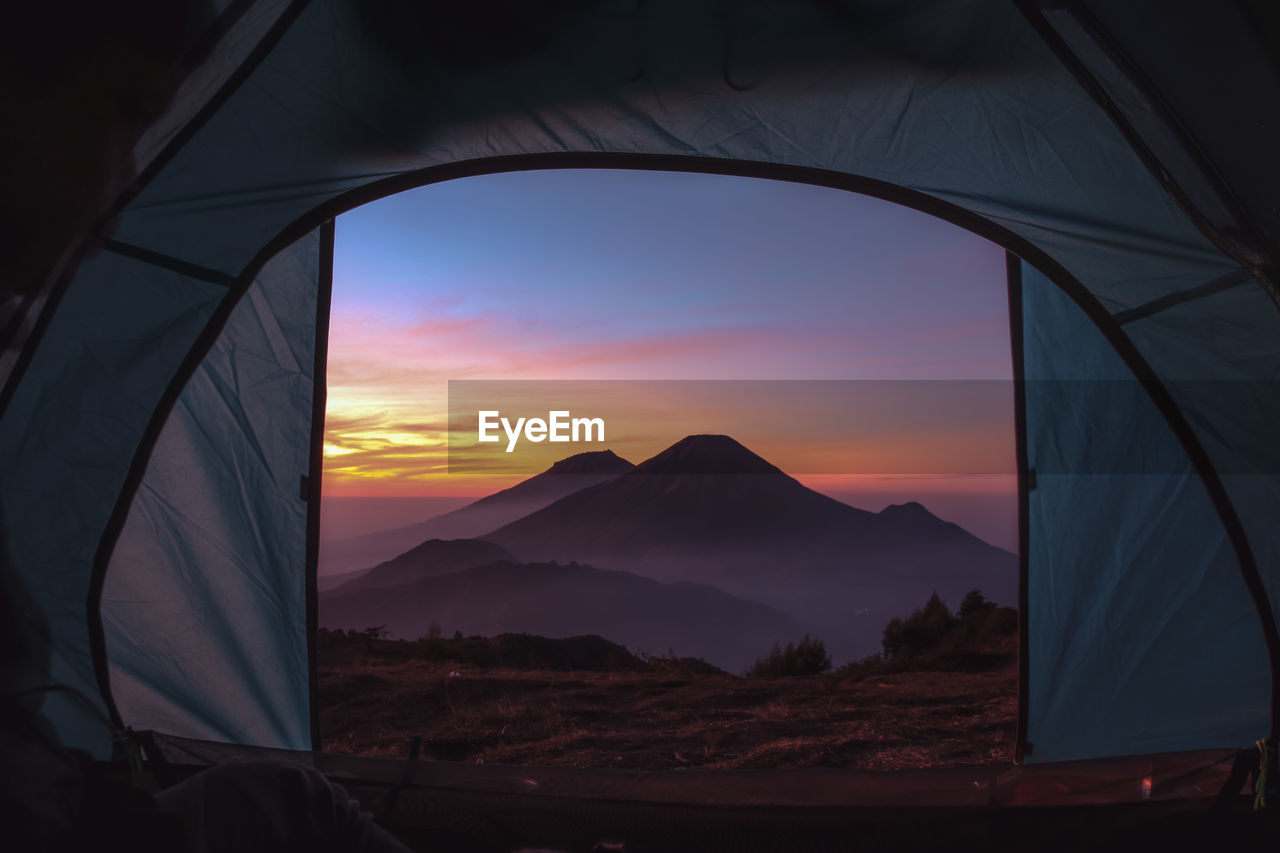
[{"x": 652, "y": 720}]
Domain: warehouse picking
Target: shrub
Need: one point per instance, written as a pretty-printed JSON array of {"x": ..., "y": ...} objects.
[
  {"x": 869, "y": 666},
  {"x": 809, "y": 657},
  {"x": 588, "y": 653},
  {"x": 673, "y": 664},
  {"x": 371, "y": 637}
]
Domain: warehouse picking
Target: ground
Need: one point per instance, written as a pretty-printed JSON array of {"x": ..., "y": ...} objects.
[{"x": 375, "y": 704}]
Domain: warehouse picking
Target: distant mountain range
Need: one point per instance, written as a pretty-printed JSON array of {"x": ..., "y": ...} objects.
[
  {"x": 433, "y": 557},
  {"x": 350, "y": 557},
  {"x": 555, "y": 600},
  {"x": 707, "y": 509},
  {"x": 704, "y": 524}
]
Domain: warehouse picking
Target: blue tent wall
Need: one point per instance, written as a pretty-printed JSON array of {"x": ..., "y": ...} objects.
[
  {"x": 1143, "y": 637},
  {"x": 69, "y": 436},
  {"x": 208, "y": 576},
  {"x": 1220, "y": 357},
  {"x": 958, "y": 101}
]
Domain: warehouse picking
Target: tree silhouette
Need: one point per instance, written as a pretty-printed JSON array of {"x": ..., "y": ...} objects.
[
  {"x": 975, "y": 603},
  {"x": 922, "y": 630}
]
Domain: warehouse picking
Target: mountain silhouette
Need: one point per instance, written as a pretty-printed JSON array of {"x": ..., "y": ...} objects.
[
  {"x": 554, "y": 600},
  {"x": 342, "y": 560},
  {"x": 707, "y": 454},
  {"x": 708, "y": 509},
  {"x": 433, "y": 557}
]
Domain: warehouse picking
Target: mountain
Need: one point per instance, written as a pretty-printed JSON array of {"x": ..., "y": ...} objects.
[
  {"x": 569, "y": 475},
  {"x": 555, "y": 600},
  {"x": 707, "y": 509},
  {"x": 433, "y": 557},
  {"x": 324, "y": 583}
]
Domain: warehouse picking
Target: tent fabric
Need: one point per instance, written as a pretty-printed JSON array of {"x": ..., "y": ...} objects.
[
  {"x": 1223, "y": 356},
  {"x": 205, "y": 597},
  {"x": 247, "y": 25},
  {"x": 68, "y": 437},
  {"x": 981, "y": 114},
  {"x": 177, "y": 53},
  {"x": 961, "y": 103},
  {"x": 1229, "y": 129},
  {"x": 1142, "y": 636}
]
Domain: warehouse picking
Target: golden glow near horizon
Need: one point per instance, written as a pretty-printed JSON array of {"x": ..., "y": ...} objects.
[{"x": 846, "y": 432}]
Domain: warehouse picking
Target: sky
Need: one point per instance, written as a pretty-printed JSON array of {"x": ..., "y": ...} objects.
[{"x": 629, "y": 275}]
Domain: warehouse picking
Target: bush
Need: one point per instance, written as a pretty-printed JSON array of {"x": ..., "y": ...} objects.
[
  {"x": 871, "y": 665},
  {"x": 588, "y": 653},
  {"x": 809, "y": 657}
]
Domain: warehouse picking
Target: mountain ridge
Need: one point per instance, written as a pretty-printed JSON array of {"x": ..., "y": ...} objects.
[
  {"x": 707, "y": 509},
  {"x": 579, "y": 471},
  {"x": 433, "y": 557}
]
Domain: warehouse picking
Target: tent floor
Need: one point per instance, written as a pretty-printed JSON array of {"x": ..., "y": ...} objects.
[
  {"x": 1127, "y": 803},
  {"x": 440, "y": 820}
]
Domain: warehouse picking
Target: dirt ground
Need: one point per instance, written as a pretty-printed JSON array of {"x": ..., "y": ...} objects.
[{"x": 663, "y": 720}]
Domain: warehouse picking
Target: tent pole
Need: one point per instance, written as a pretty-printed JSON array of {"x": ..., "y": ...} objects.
[
  {"x": 1013, "y": 271},
  {"x": 312, "y": 482}
]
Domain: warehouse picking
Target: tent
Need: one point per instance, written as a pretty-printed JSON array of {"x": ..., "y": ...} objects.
[{"x": 163, "y": 381}]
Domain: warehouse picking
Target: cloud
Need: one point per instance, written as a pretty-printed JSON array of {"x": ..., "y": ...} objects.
[{"x": 388, "y": 376}]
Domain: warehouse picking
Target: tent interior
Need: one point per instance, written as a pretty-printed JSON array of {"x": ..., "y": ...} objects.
[{"x": 169, "y": 244}]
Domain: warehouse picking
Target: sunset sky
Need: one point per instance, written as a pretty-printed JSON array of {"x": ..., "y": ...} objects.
[{"x": 604, "y": 275}]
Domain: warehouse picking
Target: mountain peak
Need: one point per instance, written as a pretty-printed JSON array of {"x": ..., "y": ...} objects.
[
  {"x": 591, "y": 462},
  {"x": 910, "y": 508},
  {"x": 707, "y": 454},
  {"x": 911, "y": 513}
]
